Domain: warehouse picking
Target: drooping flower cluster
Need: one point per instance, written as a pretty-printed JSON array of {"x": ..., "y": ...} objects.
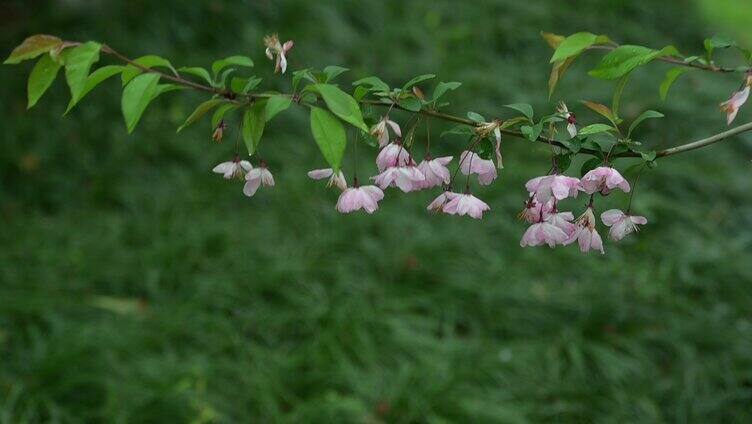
[
  {"x": 548, "y": 225},
  {"x": 551, "y": 227},
  {"x": 242, "y": 169}
]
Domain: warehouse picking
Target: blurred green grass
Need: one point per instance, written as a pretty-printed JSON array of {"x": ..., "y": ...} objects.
[{"x": 137, "y": 287}]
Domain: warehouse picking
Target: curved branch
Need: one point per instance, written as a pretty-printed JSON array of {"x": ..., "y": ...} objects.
[
  {"x": 705, "y": 141},
  {"x": 678, "y": 62},
  {"x": 465, "y": 121}
]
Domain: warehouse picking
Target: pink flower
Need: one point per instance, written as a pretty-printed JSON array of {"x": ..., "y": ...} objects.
[
  {"x": 586, "y": 234},
  {"x": 276, "y": 51},
  {"x": 337, "y": 180},
  {"x": 381, "y": 132},
  {"x": 563, "y": 221},
  {"x": 407, "y": 178},
  {"x": 471, "y": 163},
  {"x": 543, "y": 233},
  {"x": 394, "y": 154},
  {"x": 621, "y": 224},
  {"x": 233, "y": 169},
  {"x": 465, "y": 204},
  {"x": 535, "y": 210},
  {"x": 732, "y": 105},
  {"x": 557, "y": 186},
  {"x": 356, "y": 198},
  {"x": 603, "y": 179},
  {"x": 435, "y": 171},
  {"x": 437, "y": 205},
  {"x": 255, "y": 178}
]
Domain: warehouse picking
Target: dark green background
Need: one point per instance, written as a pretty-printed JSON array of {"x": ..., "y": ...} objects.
[{"x": 136, "y": 286}]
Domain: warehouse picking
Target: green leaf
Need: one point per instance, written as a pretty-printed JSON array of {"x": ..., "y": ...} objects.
[
  {"x": 411, "y": 103},
  {"x": 589, "y": 165},
  {"x": 275, "y": 105},
  {"x": 416, "y": 80},
  {"x": 298, "y": 76},
  {"x": 32, "y": 47},
  {"x": 716, "y": 42},
  {"x": 671, "y": 76},
  {"x": 532, "y": 132},
  {"x": 341, "y": 104},
  {"x": 373, "y": 83},
  {"x": 96, "y": 78},
  {"x": 648, "y": 114},
  {"x": 148, "y": 61},
  {"x": 442, "y": 88},
  {"x": 199, "y": 72},
  {"x": 166, "y": 88},
  {"x": 624, "y": 59},
  {"x": 523, "y": 108},
  {"x": 333, "y": 72},
  {"x": 136, "y": 97},
  {"x": 602, "y": 110},
  {"x": 360, "y": 92},
  {"x": 41, "y": 78},
  {"x": 254, "y": 122},
  {"x": 573, "y": 45},
  {"x": 200, "y": 111},
  {"x": 78, "y": 62},
  {"x": 595, "y": 129},
  {"x": 244, "y": 85},
  {"x": 218, "y": 65},
  {"x": 220, "y": 113},
  {"x": 477, "y": 117},
  {"x": 329, "y": 135}
]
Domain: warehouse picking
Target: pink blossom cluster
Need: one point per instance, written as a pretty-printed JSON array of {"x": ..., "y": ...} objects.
[
  {"x": 398, "y": 169},
  {"x": 552, "y": 227}
]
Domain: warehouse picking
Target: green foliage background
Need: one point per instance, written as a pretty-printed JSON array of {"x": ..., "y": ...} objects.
[{"x": 135, "y": 286}]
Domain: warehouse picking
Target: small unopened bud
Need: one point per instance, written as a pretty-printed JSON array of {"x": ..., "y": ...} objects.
[
  {"x": 219, "y": 132},
  {"x": 418, "y": 93}
]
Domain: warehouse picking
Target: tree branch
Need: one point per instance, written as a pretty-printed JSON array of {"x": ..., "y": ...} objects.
[{"x": 465, "y": 121}]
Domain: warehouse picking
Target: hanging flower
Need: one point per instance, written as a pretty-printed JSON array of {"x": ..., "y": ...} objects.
[
  {"x": 487, "y": 128},
  {"x": 435, "y": 171},
  {"x": 563, "y": 221},
  {"x": 407, "y": 178},
  {"x": 471, "y": 163},
  {"x": 437, "y": 205},
  {"x": 394, "y": 154},
  {"x": 543, "y": 233},
  {"x": 356, "y": 198},
  {"x": 731, "y": 106},
  {"x": 535, "y": 210},
  {"x": 276, "y": 51},
  {"x": 603, "y": 179},
  {"x": 586, "y": 234},
  {"x": 465, "y": 204},
  {"x": 233, "y": 169},
  {"x": 556, "y": 186},
  {"x": 621, "y": 224},
  {"x": 571, "y": 119},
  {"x": 257, "y": 177},
  {"x": 381, "y": 132},
  {"x": 335, "y": 179}
]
